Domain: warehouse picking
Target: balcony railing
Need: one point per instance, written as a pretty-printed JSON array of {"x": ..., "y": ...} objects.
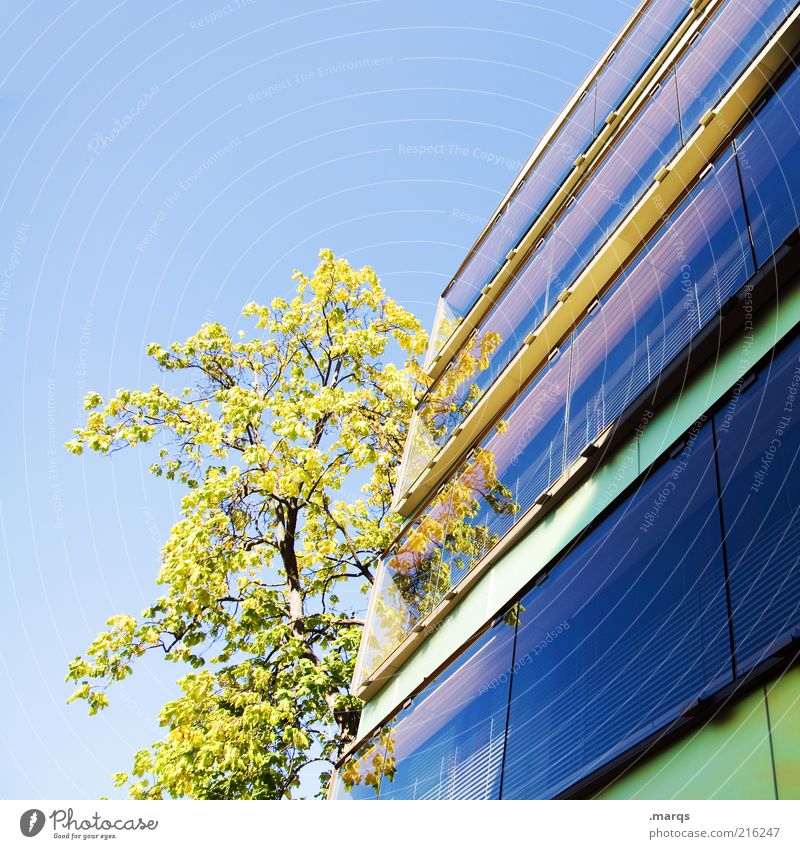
[
  {"x": 702, "y": 255},
  {"x": 578, "y": 131},
  {"x": 730, "y": 41}
]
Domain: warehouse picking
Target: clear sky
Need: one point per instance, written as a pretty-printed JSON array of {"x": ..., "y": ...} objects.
[{"x": 161, "y": 164}]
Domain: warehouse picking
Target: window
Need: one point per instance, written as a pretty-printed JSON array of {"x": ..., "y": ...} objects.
[
  {"x": 722, "y": 52},
  {"x": 448, "y": 744},
  {"x": 630, "y": 59},
  {"x": 758, "y": 436},
  {"x": 628, "y": 629},
  {"x": 769, "y": 157},
  {"x": 360, "y": 777},
  {"x": 697, "y": 260}
]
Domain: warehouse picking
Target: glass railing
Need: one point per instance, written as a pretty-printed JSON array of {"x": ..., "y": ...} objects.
[
  {"x": 677, "y": 284},
  {"x": 623, "y": 68},
  {"x": 714, "y": 61},
  {"x": 688, "y": 584}
]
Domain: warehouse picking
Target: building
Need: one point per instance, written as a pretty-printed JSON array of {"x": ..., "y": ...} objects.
[{"x": 597, "y": 589}]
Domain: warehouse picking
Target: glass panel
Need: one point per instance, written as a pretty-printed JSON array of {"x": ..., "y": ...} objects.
[
  {"x": 717, "y": 246},
  {"x": 408, "y": 583},
  {"x": 724, "y": 49},
  {"x": 449, "y": 743},
  {"x": 633, "y": 56},
  {"x": 615, "y": 187},
  {"x": 691, "y": 268},
  {"x": 510, "y": 470},
  {"x": 522, "y": 210},
  {"x": 627, "y": 631},
  {"x": 579, "y": 234},
  {"x": 726, "y": 46},
  {"x": 693, "y": 264},
  {"x": 613, "y": 83},
  {"x": 758, "y": 439},
  {"x": 360, "y": 777},
  {"x": 518, "y": 461},
  {"x": 552, "y": 169},
  {"x": 769, "y": 157}
]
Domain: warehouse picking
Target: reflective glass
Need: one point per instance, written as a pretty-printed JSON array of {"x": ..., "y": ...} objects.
[
  {"x": 632, "y": 57},
  {"x": 692, "y": 265},
  {"x": 626, "y": 632},
  {"x": 408, "y": 583},
  {"x": 557, "y": 261},
  {"x": 769, "y": 157},
  {"x": 506, "y": 474},
  {"x": 724, "y": 49},
  {"x": 448, "y": 744},
  {"x": 360, "y": 776},
  {"x": 758, "y": 438},
  {"x": 613, "y": 83}
]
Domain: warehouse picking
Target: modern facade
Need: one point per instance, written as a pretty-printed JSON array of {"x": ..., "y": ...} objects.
[{"x": 596, "y": 592}]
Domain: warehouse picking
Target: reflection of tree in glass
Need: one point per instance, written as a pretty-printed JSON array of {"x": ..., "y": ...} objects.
[
  {"x": 478, "y": 496},
  {"x": 439, "y": 547},
  {"x": 374, "y": 760},
  {"x": 444, "y": 329},
  {"x": 455, "y": 394},
  {"x": 446, "y": 404},
  {"x": 437, "y": 550}
]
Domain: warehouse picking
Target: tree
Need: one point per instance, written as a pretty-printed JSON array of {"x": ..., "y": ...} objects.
[{"x": 267, "y": 437}]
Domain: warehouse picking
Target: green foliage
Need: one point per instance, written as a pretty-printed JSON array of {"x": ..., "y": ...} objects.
[{"x": 264, "y": 438}]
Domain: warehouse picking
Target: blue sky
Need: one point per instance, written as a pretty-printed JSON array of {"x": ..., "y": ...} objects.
[{"x": 161, "y": 164}]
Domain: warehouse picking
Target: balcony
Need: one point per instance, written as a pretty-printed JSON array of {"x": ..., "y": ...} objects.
[
  {"x": 677, "y": 108},
  {"x": 677, "y": 284}
]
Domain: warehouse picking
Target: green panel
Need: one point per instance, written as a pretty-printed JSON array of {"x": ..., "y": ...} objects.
[
  {"x": 728, "y": 758},
  {"x": 783, "y": 700},
  {"x": 516, "y": 568}
]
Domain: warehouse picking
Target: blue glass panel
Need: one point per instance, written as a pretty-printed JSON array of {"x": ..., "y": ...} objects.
[
  {"x": 758, "y": 438},
  {"x": 614, "y": 81},
  {"x": 715, "y": 240},
  {"x": 522, "y": 307},
  {"x": 615, "y": 187},
  {"x": 527, "y": 203},
  {"x": 769, "y": 157},
  {"x": 551, "y": 170},
  {"x": 725, "y": 48},
  {"x": 409, "y": 582},
  {"x": 582, "y": 229},
  {"x": 692, "y": 265},
  {"x": 631, "y": 58},
  {"x": 626, "y": 632},
  {"x": 449, "y": 743}
]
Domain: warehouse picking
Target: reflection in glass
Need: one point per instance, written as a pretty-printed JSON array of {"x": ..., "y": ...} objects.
[
  {"x": 614, "y": 81},
  {"x": 360, "y": 777},
  {"x": 698, "y": 259},
  {"x": 448, "y": 744},
  {"x": 624, "y": 634},
  {"x": 630, "y": 627},
  {"x": 710, "y": 66},
  {"x": 693, "y": 265},
  {"x": 769, "y": 158},
  {"x": 724, "y": 49},
  {"x": 758, "y": 439}
]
